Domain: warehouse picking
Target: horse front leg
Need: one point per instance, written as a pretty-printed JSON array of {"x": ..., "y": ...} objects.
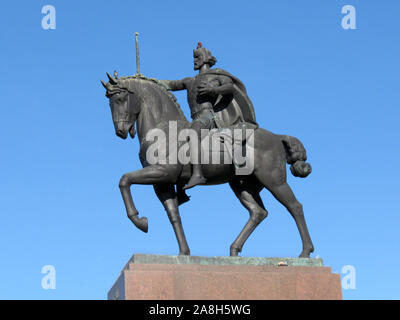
[
  {"x": 147, "y": 175},
  {"x": 168, "y": 197}
]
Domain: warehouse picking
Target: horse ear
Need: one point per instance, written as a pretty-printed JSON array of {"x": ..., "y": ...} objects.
[
  {"x": 104, "y": 84},
  {"x": 111, "y": 79}
]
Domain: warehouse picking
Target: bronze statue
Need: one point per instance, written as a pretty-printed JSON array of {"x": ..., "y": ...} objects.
[{"x": 217, "y": 100}]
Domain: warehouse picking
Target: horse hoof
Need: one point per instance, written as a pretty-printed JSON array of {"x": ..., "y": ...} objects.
[
  {"x": 304, "y": 255},
  {"x": 306, "y": 252},
  {"x": 140, "y": 223},
  {"x": 184, "y": 253},
  {"x": 234, "y": 252},
  {"x": 143, "y": 224}
]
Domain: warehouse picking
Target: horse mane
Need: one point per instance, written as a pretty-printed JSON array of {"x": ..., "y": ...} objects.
[{"x": 124, "y": 84}]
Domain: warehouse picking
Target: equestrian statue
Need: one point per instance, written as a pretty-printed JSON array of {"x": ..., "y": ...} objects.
[{"x": 219, "y": 106}]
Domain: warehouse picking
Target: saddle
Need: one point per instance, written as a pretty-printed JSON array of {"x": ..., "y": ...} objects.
[{"x": 236, "y": 140}]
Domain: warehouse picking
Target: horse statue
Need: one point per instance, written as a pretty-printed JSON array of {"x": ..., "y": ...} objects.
[{"x": 146, "y": 103}]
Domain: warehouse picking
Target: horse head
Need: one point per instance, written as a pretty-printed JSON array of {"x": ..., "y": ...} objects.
[{"x": 124, "y": 106}]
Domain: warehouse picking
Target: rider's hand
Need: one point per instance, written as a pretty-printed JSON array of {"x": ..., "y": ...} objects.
[{"x": 205, "y": 89}]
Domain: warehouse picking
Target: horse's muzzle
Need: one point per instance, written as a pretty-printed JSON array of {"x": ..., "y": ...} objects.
[
  {"x": 122, "y": 129},
  {"x": 121, "y": 133}
]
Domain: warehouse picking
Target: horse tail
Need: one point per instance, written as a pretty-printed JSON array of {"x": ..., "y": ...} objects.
[{"x": 296, "y": 156}]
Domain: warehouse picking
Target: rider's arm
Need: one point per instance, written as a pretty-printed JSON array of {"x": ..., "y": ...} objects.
[
  {"x": 174, "y": 85},
  {"x": 226, "y": 86}
]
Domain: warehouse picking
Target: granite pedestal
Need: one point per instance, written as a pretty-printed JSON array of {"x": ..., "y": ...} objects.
[{"x": 164, "y": 277}]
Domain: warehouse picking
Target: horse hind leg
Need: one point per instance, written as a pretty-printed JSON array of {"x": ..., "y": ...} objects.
[
  {"x": 284, "y": 194},
  {"x": 251, "y": 200}
]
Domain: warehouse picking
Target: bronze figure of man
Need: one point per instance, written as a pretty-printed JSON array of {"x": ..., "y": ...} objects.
[{"x": 216, "y": 99}]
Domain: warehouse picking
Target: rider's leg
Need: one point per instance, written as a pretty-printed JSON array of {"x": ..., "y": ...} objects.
[{"x": 195, "y": 157}]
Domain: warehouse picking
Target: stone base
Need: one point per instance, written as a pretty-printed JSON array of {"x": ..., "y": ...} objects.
[{"x": 161, "y": 277}]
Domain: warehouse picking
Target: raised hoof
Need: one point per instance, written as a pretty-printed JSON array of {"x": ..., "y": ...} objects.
[
  {"x": 141, "y": 223},
  {"x": 194, "y": 181}
]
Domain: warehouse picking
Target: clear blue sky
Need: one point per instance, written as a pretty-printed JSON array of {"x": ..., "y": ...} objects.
[{"x": 337, "y": 90}]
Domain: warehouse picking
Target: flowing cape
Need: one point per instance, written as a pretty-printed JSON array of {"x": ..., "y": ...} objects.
[{"x": 236, "y": 107}]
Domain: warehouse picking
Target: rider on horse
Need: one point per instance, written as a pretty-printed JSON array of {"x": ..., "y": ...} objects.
[{"x": 216, "y": 99}]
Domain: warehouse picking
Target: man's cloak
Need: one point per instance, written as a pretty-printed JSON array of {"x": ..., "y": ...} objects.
[{"x": 238, "y": 107}]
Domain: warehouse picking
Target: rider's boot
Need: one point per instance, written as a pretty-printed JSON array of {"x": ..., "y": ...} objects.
[
  {"x": 197, "y": 177},
  {"x": 195, "y": 156}
]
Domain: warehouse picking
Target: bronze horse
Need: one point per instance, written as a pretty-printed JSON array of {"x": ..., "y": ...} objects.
[{"x": 147, "y": 103}]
